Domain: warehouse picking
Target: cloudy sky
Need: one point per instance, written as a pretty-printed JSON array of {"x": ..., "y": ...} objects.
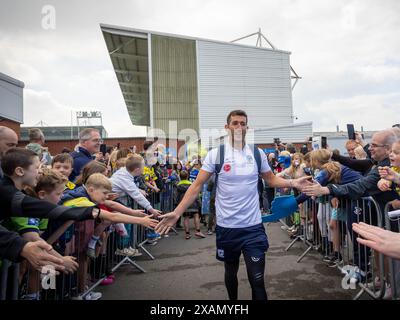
[{"x": 347, "y": 53}]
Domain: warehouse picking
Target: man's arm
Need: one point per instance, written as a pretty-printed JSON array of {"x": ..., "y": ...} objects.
[{"x": 277, "y": 182}]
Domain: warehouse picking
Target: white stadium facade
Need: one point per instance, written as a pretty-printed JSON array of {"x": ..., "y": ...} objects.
[{"x": 194, "y": 83}]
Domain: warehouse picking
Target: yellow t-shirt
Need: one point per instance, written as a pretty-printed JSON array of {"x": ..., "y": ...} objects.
[
  {"x": 79, "y": 202},
  {"x": 149, "y": 174},
  {"x": 397, "y": 170}
]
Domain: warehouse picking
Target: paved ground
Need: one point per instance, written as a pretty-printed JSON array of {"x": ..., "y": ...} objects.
[{"x": 187, "y": 269}]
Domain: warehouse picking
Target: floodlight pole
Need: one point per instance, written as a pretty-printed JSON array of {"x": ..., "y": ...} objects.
[{"x": 260, "y": 36}]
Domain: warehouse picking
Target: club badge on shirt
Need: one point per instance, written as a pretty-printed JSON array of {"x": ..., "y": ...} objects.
[
  {"x": 227, "y": 167},
  {"x": 249, "y": 159}
]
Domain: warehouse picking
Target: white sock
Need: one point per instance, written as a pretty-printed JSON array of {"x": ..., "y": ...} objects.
[{"x": 93, "y": 241}]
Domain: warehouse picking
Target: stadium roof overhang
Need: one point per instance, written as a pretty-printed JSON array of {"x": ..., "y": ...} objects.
[{"x": 129, "y": 56}]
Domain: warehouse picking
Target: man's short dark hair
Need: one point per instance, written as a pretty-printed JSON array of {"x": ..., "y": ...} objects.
[
  {"x": 236, "y": 113},
  {"x": 183, "y": 175},
  {"x": 16, "y": 157}
]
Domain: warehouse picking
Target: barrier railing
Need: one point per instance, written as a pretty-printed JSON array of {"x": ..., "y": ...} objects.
[
  {"x": 332, "y": 235},
  {"x": 117, "y": 246},
  {"x": 393, "y": 274}
]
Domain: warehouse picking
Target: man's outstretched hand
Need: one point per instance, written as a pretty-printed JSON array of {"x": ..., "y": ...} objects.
[
  {"x": 167, "y": 222},
  {"x": 302, "y": 182}
]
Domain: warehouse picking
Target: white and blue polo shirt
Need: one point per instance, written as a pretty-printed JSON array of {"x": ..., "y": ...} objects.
[{"x": 237, "y": 200}]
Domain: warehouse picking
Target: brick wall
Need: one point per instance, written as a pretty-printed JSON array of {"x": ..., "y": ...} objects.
[
  {"x": 56, "y": 147},
  {"x": 11, "y": 124}
]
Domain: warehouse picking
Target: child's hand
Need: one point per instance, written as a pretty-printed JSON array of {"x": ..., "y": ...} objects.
[
  {"x": 139, "y": 213},
  {"x": 156, "y": 213},
  {"x": 387, "y": 173},
  {"x": 335, "y": 203},
  {"x": 395, "y": 204},
  {"x": 70, "y": 264},
  {"x": 148, "y": 222},
  {"x": 384, "y": 185}
]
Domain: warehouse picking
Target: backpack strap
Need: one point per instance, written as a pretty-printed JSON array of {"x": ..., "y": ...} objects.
[
  {"x": 220, "y": 159},
  {"x": 219, "y": 162},
  {"x": 257, "y": 156}
]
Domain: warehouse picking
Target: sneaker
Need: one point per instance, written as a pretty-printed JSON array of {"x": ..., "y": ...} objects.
[
  {"x": 135, "y": 252},
  {"x": 92, "y": 296},
  {"x": 200, "y": 235},
  {"x": 124, "y": 252},
  {"x": 376, "y": 284},
  {"x": 388, "y": 293},
  {"x": 153, "y": 236},
  {"x": 284, "y": 228},
  {"x": 91, "y": 253},
  {"x": 334, "y": 262},
  {"x": 328, "y": 258},
  {"x": 107, "y": 281},
  {"x": 151, "y": 242},
  {"x": 31, "y": 296},
  {"x": 357, "y": 276},
  {"x": 209, "y": 232}
]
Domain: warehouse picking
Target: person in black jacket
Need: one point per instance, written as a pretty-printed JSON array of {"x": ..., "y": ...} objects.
[{"x": 380, "y": 147}]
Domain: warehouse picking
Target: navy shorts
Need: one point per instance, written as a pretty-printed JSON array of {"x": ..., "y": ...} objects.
[{"x": 231, "y": 242}]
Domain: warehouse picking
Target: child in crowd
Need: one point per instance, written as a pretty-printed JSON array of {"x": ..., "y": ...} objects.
[
  {"x": 124, "y": 185},
  {"x": 390, "y": 179},
  {"x": 63, "y": 163},
  {"x": 49, "y": 187},
  {"x": 195, "y": 170},
  {"x": 95, "y": 192},
  {"x": 192, "y": 211},
  {"x": 385, "y": 184},
  {"x": 329, "y": 172}
]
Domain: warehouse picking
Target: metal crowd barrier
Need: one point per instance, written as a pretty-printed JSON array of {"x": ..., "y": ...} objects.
[
  {"x": 317, "y": 232},
  {"x": 393, "y": 274},
  {"x": 71, "y": 238}
]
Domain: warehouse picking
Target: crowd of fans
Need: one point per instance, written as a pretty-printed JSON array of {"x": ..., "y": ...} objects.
[{"x": 64, "y": 210}]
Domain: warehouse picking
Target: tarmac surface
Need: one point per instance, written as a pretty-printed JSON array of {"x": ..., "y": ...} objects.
[{"x": 188, "y": 270}]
